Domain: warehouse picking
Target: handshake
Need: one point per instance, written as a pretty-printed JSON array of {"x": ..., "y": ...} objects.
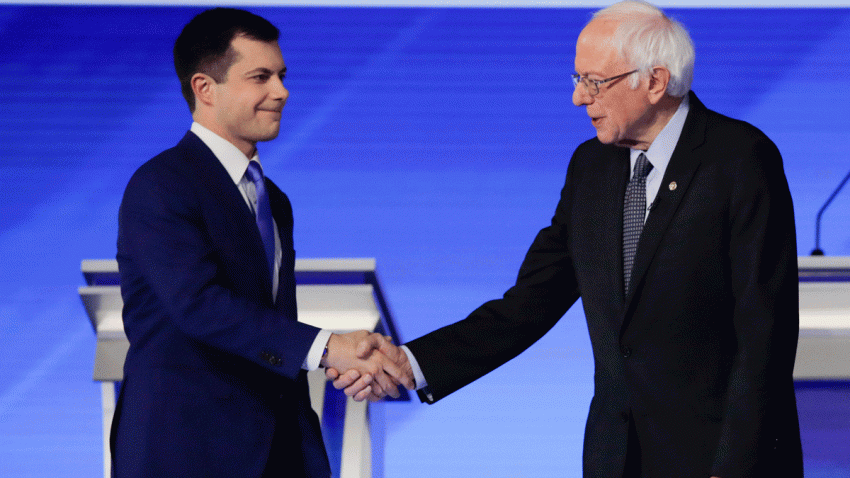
[{"x": 367, "y": 365}]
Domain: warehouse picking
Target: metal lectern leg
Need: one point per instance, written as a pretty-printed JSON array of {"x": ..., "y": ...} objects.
[{"x": 107, "y": 398}]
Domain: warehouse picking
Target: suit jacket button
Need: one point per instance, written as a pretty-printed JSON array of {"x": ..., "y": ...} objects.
[
  {"x": 626, "y": 351},
  {"x": 270, "y": 359},
  {"x": 624, "y": 416}
]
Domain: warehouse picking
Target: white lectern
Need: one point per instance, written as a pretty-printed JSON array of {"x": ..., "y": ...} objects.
[
  {"x": 823, "y": 351},
  {"x": 342, "y": 295}
]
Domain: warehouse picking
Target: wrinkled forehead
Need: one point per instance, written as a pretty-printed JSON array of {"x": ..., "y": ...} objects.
[{"x": 595, "y": 51}]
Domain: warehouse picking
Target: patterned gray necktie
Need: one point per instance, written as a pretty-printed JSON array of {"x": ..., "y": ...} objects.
[{"x": 634, "y": 213}]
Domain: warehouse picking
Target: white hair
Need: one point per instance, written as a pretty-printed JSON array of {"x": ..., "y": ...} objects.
[{"x": 646, "y": 37}]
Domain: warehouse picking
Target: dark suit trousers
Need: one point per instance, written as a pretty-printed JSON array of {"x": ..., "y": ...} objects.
[{"x": 285, "y": 457}]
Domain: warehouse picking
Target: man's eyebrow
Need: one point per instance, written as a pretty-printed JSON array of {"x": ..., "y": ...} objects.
[
  {"x": 265, "y": 71},
  {"x": 587, "y": 73}
]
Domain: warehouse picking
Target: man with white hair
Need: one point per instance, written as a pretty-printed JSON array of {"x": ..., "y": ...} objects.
[{"x": 676, "y": 229}]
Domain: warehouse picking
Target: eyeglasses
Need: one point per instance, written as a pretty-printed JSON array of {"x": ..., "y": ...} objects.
[{"x": 592, "y": 86}]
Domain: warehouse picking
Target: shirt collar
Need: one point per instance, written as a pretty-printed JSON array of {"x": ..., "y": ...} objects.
[
  {"x": 233, "y": 160},
  {"x": 661, "y": 150}
]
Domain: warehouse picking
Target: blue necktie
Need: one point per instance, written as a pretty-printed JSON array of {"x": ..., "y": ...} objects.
[
  {"x": 634, "y": 214},
  {"x": 264, "y": 211}
]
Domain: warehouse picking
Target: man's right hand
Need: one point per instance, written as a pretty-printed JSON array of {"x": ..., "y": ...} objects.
[
  {"x": 372, "y": 364},
  {"x": 392, "y": 361}
]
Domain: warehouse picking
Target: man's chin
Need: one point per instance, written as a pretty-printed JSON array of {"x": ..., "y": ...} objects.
[
  {"x": 268, "y": 136},
  {"x": 604, "y": 138}
]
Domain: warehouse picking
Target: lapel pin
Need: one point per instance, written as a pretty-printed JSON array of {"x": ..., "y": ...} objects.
[{"x": 673, "y": 185}]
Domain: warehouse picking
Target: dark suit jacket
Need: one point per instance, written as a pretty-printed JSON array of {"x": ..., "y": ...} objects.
[
  {"x": 699, "y": 356},
  {"x": 213, "y": 373}
]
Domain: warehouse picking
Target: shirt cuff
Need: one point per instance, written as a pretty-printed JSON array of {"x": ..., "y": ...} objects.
[
  {"x": 417, "y": 372},
  {"x": 314, "y": 356}
]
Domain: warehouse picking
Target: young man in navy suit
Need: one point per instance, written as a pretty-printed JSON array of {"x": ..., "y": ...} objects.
[
  {"x": 687, "y": 273},
  {"x": 214, "y": 380}
]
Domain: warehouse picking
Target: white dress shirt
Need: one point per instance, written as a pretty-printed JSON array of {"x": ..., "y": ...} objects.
[
  {"x": 236, "y": 164},
  {"x": 660, "y": 152}
]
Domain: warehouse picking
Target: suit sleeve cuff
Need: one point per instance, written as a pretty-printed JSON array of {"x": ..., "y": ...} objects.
[
  {"x": 314, "y": 355},
  {"x": 417, "y": 372}
]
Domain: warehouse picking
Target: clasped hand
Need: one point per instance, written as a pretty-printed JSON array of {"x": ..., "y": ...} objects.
[{"x": 373, "y": 367}]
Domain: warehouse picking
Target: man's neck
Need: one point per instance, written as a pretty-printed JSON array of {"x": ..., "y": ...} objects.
[
  {"x": 248, "y": 149},
  {"x": 657, "y": 119}
]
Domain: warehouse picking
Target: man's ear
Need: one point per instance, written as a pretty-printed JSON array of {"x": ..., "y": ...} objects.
[
  {"x": 204, "y": 87},
  {"x": 658, "y": 81}
]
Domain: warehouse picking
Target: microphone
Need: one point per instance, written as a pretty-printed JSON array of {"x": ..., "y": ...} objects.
[{"x": 817, "y": 251}]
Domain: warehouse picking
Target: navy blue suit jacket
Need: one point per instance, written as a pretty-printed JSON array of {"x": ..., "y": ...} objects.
[
  {"x": 699, "y": 356},
  {"x": 213, "y": 375}
]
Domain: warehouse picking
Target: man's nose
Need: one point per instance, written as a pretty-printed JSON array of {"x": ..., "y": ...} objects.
[
  {"x": 581, "y": 97},
  {"x": 279, "y": 90}
]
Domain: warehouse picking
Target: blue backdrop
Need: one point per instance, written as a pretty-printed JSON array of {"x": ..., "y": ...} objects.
[{"x": 433, "y": 139}]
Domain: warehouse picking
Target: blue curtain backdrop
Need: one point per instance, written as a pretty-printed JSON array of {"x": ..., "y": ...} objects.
[{"x": 433, "y": 139}]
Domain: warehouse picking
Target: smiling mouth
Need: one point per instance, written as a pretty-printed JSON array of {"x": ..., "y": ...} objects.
[{"x": 274, "y": 112}]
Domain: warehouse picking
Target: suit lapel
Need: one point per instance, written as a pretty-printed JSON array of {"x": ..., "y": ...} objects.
[
  {"x": 282, "y": 211},
  {"x": 597, "y": 183},
  {"x": 613, "y": 216},
  {"x": 211, "y": 177},
  {"x": 674, "y": 185}
]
